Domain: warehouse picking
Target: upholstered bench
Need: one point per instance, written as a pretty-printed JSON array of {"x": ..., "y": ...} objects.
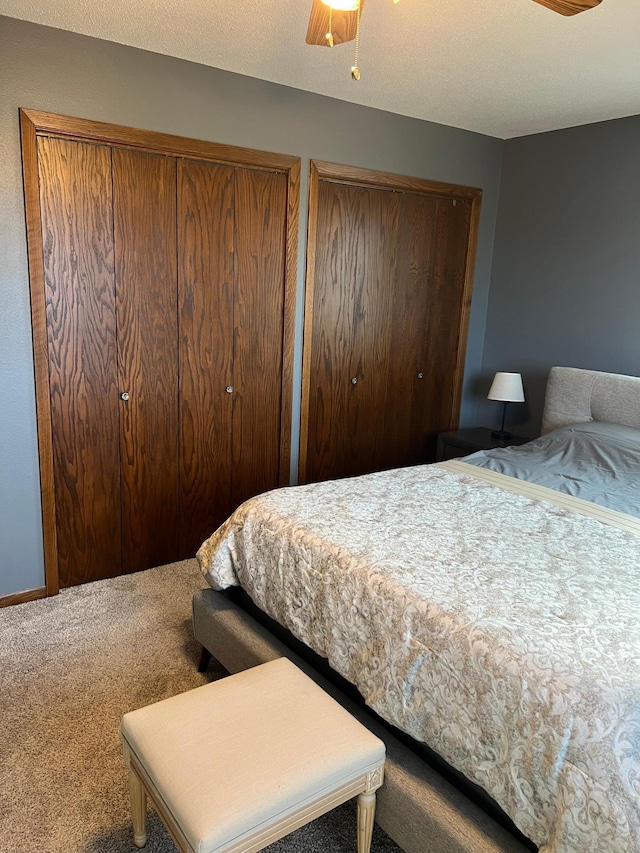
[{"x": 237, "y": 764}]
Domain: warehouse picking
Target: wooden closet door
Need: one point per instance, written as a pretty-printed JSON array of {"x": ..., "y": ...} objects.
[
  {"x": 144, "y": 213},
  {"x": 389, "y": 275},
  {"x": 446, "y": 302},
  {"x": 77, "y": 240},
  {"x": 162, "y": 278},
  {"x": 259, "y": 294},
  {"x": 410, "y": 404},
  {"x": 352, "y": 320},
  {"x": 206, "y": 295}
]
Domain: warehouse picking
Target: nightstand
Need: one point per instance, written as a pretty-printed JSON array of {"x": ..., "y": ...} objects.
[{"x": 462, "y": 442}]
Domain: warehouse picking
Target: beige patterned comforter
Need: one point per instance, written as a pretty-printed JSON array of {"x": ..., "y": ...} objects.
[{"x": 501, "y": 629}]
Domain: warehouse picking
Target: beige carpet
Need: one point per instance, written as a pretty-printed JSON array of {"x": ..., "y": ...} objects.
[{"x": 70, "y": 666}]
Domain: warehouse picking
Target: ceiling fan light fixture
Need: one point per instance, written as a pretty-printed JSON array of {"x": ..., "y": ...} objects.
[{"x": 342, "y": 5}]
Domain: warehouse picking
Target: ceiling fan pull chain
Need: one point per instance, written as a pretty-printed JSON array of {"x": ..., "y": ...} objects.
[
  {"x": 355, "y": 71},
  {"x": 329, "y": 35}
]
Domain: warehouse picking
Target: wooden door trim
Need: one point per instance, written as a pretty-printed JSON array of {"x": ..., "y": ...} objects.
[
  {"x": 40, "y": 348},
  {"x": 389, "y": 181},
  {"x": 149, "y": 140},
  {"x": 288, "y": 343},
  {"x": 309, "y": 296},
  {"x": 34, "y": 123},
  {"x": 354, "y": 175},
  {"x": 22, "y": 597}
]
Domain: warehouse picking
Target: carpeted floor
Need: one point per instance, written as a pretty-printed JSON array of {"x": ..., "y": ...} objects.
[{"x": 70, "y": 667}]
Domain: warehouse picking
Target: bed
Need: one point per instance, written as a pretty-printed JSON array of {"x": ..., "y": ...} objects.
[{"x": 490, "y": 617}]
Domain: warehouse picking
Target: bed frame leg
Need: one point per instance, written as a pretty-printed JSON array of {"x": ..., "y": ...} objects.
[{"x": 205, "y": 660}]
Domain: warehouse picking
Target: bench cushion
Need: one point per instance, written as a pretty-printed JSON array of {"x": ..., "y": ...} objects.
[{"x": 233, "y": 755}]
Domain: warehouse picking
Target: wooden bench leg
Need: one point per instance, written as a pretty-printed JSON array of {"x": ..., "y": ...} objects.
[
  {"x": 138, "y": 797},
  {"x": 366, "y": 815}
]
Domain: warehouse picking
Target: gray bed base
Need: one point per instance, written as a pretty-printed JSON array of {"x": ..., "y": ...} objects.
[{"x": 417, "y": 808}]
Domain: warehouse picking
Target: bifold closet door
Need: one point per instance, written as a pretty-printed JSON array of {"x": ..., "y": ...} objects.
[
  {"x": 144, "y": 215},
  {"x": 429, "y": 280},
  {"x": 77, "y": 240},
  {"x": 389, "y": 277},
  {"x": 352, "y": 324},
  {"x": 409, "y": 376},
  {"x": 162, "y": 278},
  {"x": 206, "y": 231},
  {"x": 260, "y": 216},
  {"x": 445, "y": 304},
  {"x": 231, "y": 238}
]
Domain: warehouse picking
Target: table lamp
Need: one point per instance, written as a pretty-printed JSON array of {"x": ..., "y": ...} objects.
[{"x": 507, "y": 388}]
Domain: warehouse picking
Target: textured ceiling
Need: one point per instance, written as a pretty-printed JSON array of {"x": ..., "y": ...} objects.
[{"x": 501, "y": 67}]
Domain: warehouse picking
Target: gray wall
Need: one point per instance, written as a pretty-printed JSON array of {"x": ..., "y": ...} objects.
[
  {"x": 48, "y": 69},
  {"x": 565, "y": 286}
]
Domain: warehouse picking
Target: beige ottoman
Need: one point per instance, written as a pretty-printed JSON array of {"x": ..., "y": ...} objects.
[{"x": 237, "y": 764}]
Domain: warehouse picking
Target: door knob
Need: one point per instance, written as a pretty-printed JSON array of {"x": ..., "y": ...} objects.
[
  {"x": 229, "y": 389},
  {"x": 125, "y": 395},
  {"x": 354, "y": 381},
  {"x": 420, "y": 375}
]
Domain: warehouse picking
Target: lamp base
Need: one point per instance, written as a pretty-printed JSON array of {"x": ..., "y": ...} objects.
[{"x": 501, "y": 434}]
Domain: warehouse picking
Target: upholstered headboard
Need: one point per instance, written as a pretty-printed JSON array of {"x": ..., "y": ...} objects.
[{"x": 577, "y": 396}]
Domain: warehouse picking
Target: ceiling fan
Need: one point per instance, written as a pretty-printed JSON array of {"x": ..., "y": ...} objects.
[{"x": 338, "y": 21}]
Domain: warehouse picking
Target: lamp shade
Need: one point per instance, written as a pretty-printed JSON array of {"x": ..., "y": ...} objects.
[{"x": 507, "y": 387}]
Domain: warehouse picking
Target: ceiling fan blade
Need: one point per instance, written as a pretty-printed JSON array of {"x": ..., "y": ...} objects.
[
  {"x": 344, "y": 24},
  {"x": 569, "y": 7}
]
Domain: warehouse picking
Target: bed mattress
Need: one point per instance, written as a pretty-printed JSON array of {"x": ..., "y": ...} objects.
[{"x": 496, "y": 624}]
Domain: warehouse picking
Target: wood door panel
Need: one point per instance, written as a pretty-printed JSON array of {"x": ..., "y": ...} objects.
[
  {"x": 260, "y": 252},
  {"x": 336, "y": 348},
  {"x": 205, "y": 288},
  {"x": 351, "y": 329},
  {"x": 445, "y": 304},
  {"x": 77, "y": 238},
  {"x": 144, "y": 210},
  {"x": 374, "y": 315},
  {"x": 408, "y": 399}
]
